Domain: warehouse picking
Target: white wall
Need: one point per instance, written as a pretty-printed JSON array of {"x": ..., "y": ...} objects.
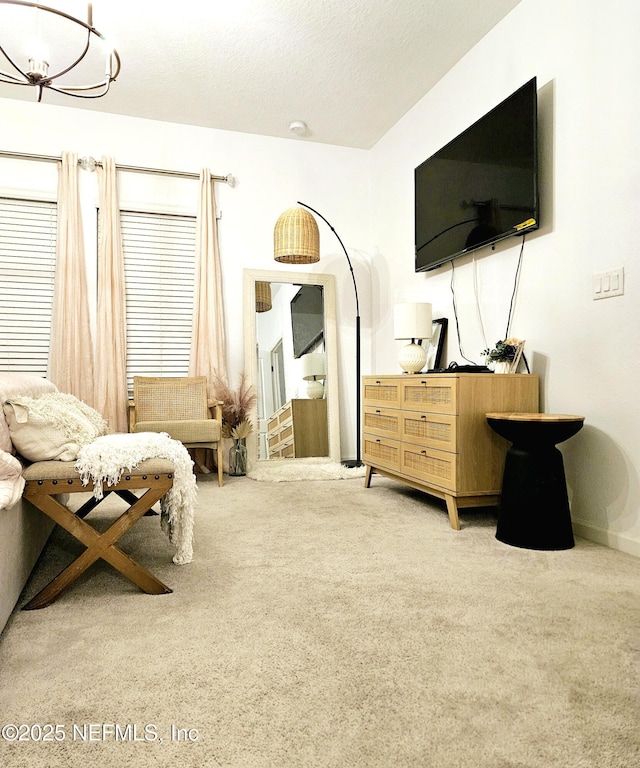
[
  {"x": 586, "y": 352},
  {"x": 272, "y": 175}
]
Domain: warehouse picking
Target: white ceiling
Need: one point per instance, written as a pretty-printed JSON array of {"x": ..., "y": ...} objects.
[{"x": 350, "y": 69}]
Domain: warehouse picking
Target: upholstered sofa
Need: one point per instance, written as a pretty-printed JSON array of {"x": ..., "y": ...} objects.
[{"x": 23, "y": 529}]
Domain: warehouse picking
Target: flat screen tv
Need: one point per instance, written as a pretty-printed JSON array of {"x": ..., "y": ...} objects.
[
  {"x": 482, "y": 186},
  {"x": 307, "y": 319}
]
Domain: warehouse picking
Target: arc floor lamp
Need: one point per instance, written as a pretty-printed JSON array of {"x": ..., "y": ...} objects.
[{"x": 296, "y": 240}]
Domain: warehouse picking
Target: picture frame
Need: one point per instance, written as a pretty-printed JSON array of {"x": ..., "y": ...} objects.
[
  {"x": 436, "y": 344},
  {"x": 516, "y": 359}
]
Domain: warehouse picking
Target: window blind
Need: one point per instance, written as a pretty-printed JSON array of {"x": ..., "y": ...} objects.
[
  {"x": 27, "y": 268},
  {"x": 159, "y": 263}
]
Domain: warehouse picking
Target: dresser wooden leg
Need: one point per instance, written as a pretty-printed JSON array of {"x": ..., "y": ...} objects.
[
  {"x": 452, "y": 509},
  {"x": 367, "y": 477}
]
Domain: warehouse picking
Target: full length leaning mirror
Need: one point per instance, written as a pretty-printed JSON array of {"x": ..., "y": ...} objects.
[{"x": 291, "y": 357}]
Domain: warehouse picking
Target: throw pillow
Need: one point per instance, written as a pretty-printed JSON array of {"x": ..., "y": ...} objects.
[
  {"x": 11, "y": 480},
  {"x": 53, "y": 426}
]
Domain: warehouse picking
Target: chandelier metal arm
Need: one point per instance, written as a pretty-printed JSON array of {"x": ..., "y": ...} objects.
[
  {"x": 15, "y": 66},
  {"x": 102, "y": 84},
  {"x": 75, "y": 63},
  {"x": 46, "y": 80},
  {"x": 5, "y": 77},
  {"x": 69, "y": 90},
  {"x": 41, "y": 7}
]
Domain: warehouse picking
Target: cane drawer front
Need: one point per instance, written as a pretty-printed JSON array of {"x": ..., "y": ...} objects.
[
  {"x": 278, "y": 417},
  {"x": 273, "y": 440},
  {"x": 287, "y": 450},
  {"x": 438, "y": 468},
  {"x": 381, "y": 452},
  {"x": 285, "y": 414},
  {"x": 286, "y": 431},
  {"x": 433, "y": 394},
  {"x": 280, "y": 431},
  {"x": 383, "y": 422},
  {"x": 429, "y": 430},
  {"x": 382, "y": 391}
]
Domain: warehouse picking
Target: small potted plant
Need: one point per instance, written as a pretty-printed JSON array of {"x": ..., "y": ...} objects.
[
  {"x": 236, "y": 424},
  {"x": 505, "y": 355}
]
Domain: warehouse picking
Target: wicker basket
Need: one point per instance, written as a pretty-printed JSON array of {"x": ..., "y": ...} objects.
[
  {"x": 263, "y": 296},
  {"x": 296, "y": 239}
]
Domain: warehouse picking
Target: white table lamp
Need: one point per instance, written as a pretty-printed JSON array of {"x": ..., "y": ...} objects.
[
  {"x": 313, "y": 371},
  {"x": 412, "y": 321}
]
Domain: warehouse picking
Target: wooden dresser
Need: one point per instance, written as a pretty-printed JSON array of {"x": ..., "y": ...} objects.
[
  {"x": 430, "y": 432},
  {"x": 298, "y": 429}
]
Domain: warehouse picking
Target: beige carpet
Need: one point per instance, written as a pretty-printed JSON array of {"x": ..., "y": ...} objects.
[{"x": 325, "y": 625}]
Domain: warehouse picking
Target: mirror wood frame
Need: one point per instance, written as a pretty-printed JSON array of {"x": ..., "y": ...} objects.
[{"x": 328, "y": 283}]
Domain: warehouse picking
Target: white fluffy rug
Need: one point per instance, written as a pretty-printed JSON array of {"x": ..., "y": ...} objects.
[{"x": 285, "y": 470}]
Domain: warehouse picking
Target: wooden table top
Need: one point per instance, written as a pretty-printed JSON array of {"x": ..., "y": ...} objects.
[{"x": 536, "y": 417}]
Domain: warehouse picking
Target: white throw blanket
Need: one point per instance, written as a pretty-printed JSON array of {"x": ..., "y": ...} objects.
[{"x": 108, "y": 457}]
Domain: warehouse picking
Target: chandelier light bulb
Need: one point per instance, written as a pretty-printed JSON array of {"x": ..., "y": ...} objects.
[
  {"x": 37, "y": 49},
  {"x": 37, "y": 70}
]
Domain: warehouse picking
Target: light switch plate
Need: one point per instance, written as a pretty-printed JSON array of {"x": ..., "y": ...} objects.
[{"x": 608, "y": 284}]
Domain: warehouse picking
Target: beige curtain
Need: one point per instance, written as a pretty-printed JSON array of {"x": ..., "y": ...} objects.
[
  {"x": 208, "y": 342},
  {"x": 111, "y": 336},
  {"x": 71, "y": 350}
]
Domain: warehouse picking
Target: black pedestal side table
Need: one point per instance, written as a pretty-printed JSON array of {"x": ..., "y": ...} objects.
[{"x": 534, "y": 505}]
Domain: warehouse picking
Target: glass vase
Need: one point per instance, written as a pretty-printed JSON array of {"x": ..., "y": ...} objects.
[{"x": 238, "y": 457}]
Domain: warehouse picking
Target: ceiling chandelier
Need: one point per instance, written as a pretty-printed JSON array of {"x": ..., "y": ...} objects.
[{"x": 28, "y": 32}]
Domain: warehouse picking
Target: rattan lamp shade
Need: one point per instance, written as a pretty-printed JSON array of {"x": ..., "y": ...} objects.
[
  {"x": 263, "y": 296},
  {"x": 296, "y": 239}
]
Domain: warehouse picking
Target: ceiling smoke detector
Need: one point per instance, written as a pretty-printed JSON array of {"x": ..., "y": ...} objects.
[{"x": 298, "y": 127}]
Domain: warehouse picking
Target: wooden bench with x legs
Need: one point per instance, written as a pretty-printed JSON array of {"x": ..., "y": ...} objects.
[{"x": 47, "y": 481}]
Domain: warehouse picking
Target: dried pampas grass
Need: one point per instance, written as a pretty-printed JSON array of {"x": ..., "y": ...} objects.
[{"x": 236, "y": 406}]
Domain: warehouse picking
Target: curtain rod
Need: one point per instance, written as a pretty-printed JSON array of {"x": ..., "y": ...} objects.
[{"x": 89, "y": 164}]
